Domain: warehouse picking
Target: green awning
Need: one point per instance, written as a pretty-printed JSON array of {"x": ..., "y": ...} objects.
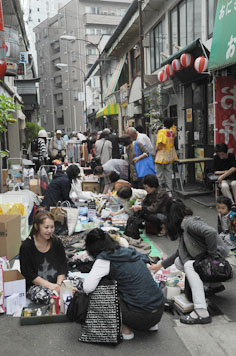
[
  {"x": 111, "y": 109},
  {"x": 187, "y": 49},
  {"x": 115, "y": 77},
  {"x": 223, "y": 49}
]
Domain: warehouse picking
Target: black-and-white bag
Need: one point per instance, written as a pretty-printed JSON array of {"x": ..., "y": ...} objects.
[{"x": 103, "y": 320}]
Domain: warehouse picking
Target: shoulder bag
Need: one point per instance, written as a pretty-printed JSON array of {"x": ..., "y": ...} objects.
[
  {"x": 143, "y": 166},
  {"x": 212, "y": 269}
]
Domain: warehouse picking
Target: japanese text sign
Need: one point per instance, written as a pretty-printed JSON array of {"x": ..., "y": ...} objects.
[
  {"x": 223, "y": 49},
  {"x": 226, "y": 112}
]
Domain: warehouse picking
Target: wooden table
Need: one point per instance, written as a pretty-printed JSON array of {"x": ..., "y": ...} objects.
[{"x": 179, "y": 164}]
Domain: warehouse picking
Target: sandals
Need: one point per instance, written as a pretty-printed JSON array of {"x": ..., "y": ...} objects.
[{"x": 187, "y": 319}]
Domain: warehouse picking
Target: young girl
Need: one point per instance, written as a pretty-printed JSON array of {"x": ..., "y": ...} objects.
[
  {"x": 42, "y": 259},
  {"x": 226, "y": 221}
]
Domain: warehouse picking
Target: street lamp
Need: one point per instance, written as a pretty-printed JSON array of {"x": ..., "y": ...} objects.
[
  {"x": 64, "y": 65},
  {"x": 73, "y": 38}
]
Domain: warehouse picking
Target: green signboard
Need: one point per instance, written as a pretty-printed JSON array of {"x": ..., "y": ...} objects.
[{"x": 223, "y": 49}]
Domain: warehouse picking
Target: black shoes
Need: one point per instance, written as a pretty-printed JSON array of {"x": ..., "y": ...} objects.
[{"x": 211, "y": 290}]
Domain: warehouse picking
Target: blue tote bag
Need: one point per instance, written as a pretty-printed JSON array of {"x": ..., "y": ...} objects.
[{"x": 144, "y": 166}]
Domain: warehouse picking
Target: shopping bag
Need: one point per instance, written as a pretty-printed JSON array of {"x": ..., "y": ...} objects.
[
  {"x": 44, "y": 181},
  {"x": 2, "y": 309},
  {"x": 103, "y": 320},
  {"x": 144, "y": 166},
  {"x": 60, "y": 220}
]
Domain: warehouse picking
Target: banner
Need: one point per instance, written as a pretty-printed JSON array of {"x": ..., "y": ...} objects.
[{"x": 226, "y": 112}]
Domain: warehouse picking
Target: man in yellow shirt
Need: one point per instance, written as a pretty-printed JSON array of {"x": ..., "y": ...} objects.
[{"x": 165, "y": 153}]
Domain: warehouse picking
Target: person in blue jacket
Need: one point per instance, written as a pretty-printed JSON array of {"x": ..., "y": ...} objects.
[
  {"x": 59, "y": 188},
  {"x": 141, "y": 300}
]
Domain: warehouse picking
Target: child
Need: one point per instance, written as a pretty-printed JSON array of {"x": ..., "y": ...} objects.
[{"x": 226, "y": 221}]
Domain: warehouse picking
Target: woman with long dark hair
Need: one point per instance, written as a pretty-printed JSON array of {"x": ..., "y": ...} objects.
[
  {"x": 142, "y": 301},
  {"x": 42, "y": 259},
  {"x": 195, "y": 237}
]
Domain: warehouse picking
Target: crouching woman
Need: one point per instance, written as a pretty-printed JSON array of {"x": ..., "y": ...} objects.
[
  {"x": 42, "y": 259},
  {"x": 142, "y": 301},
  {"x": 195, "y": 237}
]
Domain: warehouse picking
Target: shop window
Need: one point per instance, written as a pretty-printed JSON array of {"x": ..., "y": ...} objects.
[
  {"x": 157, "y": 45},
  {"x": 185, "y": 23},
  {"x": 211, "y": 13}
]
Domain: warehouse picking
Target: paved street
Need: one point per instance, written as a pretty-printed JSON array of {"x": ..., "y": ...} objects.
[{"x": 173, "y": 338}]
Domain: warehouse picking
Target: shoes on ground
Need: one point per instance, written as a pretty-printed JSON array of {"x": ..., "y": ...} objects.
[
  {"x": 127, "y": 337},
  {"x": 187, "y": 319},
  {"x": 153, "y": 328},
  {"x": 211, "y": 291}
]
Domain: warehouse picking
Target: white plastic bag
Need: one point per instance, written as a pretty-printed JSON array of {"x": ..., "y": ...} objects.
[{"x": 76, "y": 192}]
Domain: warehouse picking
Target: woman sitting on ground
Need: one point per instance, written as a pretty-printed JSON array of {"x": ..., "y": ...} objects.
[
  {"x": 142, "y": 301},
  {"x": 43, "y": 260},
  {"x": 195, "y": 237},
  {"x": 116, "y": 182}
]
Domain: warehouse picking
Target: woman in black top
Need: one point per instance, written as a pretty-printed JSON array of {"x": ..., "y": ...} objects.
[{"x": 42, "y": 259}]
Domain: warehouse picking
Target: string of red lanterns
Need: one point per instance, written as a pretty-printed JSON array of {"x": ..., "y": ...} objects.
[{"x": 185, "y": 61}]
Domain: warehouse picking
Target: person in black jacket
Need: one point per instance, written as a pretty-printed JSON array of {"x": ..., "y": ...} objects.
[
  {"x": 225, "y": 167},
  {"x": 115, "y": 144},
  {"x": 59, "y": 188}
]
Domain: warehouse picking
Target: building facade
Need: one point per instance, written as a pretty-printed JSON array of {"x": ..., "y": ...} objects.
[{"x": 62, "y": 89}]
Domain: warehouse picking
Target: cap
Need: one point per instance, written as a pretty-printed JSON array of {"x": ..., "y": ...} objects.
[
  {"x": 42, "y": 133},
  {"x": 58, "y": 132}
]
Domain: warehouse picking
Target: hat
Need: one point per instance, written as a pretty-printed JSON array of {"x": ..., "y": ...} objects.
[{"x": 58, "y": 132}]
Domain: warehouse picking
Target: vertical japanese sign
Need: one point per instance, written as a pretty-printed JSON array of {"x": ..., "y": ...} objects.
[
  {"x": 223, "y": 49},
  {"x": 226, "y": 112}
]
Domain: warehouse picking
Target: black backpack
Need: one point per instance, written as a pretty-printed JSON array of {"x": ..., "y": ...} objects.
[{"x": 35, "y": 147}]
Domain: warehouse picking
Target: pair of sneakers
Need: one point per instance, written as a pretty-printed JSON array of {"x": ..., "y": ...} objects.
[{"x": 130, "y": 336}]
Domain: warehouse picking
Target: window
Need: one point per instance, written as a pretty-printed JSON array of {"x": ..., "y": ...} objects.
[
  {"x": 93, "y": 10},
  {"x": 211, "y": 13},
  {"x": 91, "y": 50},
  {"x": 157, "y": 45},
  {"x": 74, "y": 75},
  {"x": 185, "y": 23},
  {"x": 73, "y": 56}
]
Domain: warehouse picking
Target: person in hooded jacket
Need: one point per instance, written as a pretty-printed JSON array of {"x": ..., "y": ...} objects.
[
  {"x": 59, "y": 188},
  {"x": 141, "y": 300}
]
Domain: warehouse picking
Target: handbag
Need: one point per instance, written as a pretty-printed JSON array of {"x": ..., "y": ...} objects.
[
  {"x": 143, "y": 166},
  {"x": 103, "y": 320},
  {"x": 60, "y": 220},
  {"x": 212, "y": 269},
  {"x": 77, "y": 309}
]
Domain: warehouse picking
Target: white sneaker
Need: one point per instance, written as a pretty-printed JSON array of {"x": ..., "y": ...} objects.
[
  {"x": 154, "y": 328},
  {"x": 128, "y": 336}
]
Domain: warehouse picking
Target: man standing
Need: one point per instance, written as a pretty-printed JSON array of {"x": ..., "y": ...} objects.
[
  {"x": 141, "y": 138},
  {"x": 165, "y": 153},
  {"x": 115, "y": 143},
  {"x": 57, "y": 147}
]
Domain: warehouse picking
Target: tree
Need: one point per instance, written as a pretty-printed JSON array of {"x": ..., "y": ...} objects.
[
  {"x": 7, "y": 108},
  {"x": 31, "y": 132}
]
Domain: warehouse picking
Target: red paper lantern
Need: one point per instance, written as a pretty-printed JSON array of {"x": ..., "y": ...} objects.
[
  {"x": 176, "y": 65},
  {"x": 186, "y": 60},
  {"x": 201, "y": 64},
  {"x": 3, "y": 68},
  {"x": 169, "y": 70},
  {"x": 162, "y": 76}
]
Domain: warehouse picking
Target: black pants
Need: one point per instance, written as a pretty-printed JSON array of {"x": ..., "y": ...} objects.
[{"x": 140, "y": 321}]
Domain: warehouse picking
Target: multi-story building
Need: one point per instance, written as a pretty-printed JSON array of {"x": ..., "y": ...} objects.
[
  {"x": 86, "y": 21},
  {"x": 169, "y": 29},
  {"x": 35, "y": 12}
]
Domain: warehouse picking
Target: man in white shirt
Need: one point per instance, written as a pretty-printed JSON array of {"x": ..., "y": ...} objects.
[{"x": 142, "y": 138}]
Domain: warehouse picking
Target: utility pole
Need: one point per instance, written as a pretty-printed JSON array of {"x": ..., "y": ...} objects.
[{"x": 141, "y": 36}]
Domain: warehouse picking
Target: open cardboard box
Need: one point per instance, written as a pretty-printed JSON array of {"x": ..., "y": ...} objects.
[{"x": 14, "y": 282}]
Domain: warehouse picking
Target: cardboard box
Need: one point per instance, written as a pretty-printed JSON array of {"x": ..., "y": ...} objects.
[
  {"x": 14, "y": 282},
  {"x": 91, "y": 187},
  {"x": 43, "y": 319},
  {"x": 10, "y": 235},
  {"x": 34, "y": 186}
]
